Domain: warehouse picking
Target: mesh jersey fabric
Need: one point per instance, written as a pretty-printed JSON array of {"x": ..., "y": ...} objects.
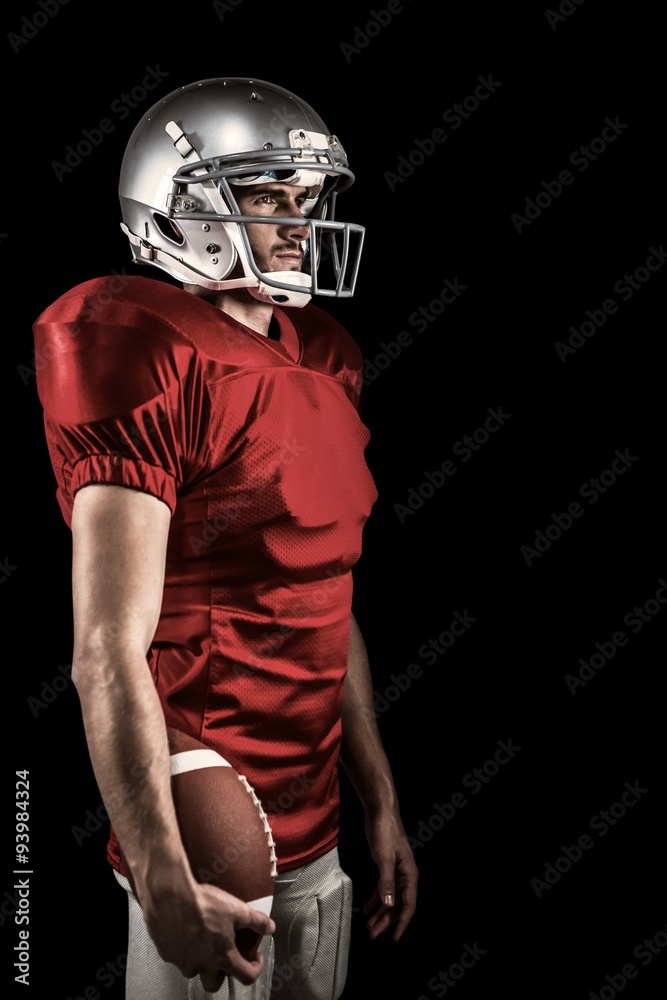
[{"x": 257, "y": 447}]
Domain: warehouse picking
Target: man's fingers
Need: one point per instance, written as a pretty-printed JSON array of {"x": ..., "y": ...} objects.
[
  {"x": 233, "y": 964},
  {"x": 400, "y": 912},
  {"x": 379, "y": 922},
  {"x": 241, "y": 959},
  {"x": 257, "y": 921},
  {"x": 404, "y": 919},
  {"x": 368, "y": 906},
  {"x": 248, "y": 942},
  {"x": 213, "y": 983},
  {"x": 245, "y": 961},
  {"x": 242, "y": 969},
  {"x": 387, "y": 888}
]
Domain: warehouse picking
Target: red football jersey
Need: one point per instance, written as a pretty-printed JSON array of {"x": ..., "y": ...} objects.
[{"x": 257, "y": 447}]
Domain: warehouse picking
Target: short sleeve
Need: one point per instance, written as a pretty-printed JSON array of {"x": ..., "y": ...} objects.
[{"x": 123, "y": 396}]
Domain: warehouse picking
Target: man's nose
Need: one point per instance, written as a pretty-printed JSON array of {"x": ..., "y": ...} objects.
[{"x": 296, "y": 230}]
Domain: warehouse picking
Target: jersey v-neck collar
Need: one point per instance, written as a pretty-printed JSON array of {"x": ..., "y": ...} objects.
[{"x": 289, "y": 343}]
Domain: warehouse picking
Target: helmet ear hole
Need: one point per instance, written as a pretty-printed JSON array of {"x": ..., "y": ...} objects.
[{"x": 168, "y": 229}]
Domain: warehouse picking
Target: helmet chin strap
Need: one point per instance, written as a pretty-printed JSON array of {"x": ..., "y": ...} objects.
[
  {"x": 264, "y": 291},
  {"x": 258, "y": 289},
  {"x": 284, "y": 296}
]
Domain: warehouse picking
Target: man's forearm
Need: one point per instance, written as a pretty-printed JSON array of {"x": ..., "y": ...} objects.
[
  {"x": 362, "y": 753},
  {"x": 364, "y": 759},
  {"x": 127, "y": 742}
]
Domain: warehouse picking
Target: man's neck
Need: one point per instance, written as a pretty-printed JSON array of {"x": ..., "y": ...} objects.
[{"x": 240, "y": 305}]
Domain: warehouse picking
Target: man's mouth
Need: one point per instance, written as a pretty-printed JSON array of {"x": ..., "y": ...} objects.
[{"x": 292, "y": 257}]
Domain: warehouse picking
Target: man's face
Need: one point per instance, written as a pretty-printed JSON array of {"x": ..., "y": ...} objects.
[{"x": 276, "y": 248}]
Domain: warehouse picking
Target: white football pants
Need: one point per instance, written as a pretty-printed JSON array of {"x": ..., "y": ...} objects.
[{"x": 306, "y": 958}]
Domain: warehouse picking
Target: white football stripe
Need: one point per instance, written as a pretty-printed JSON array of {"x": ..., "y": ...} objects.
[
  {"x": 263, "y": 905},
  {"x": 192, "y": 760}
]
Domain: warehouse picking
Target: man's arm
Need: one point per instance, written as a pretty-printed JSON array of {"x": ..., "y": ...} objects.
[
  {"x": 119, "y": 541},
  {"x": 365, "y": 761}
]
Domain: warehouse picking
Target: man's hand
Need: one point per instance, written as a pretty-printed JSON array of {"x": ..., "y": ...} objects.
[
  {"x": 396, "y": 891},
  {"x": 198, "y": 934}
]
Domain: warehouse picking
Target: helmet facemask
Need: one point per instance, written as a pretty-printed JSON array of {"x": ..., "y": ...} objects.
[{"x": 207, "y": 192}]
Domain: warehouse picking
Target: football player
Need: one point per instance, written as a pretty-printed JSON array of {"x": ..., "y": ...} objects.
[{"x": 204, "y": 430}]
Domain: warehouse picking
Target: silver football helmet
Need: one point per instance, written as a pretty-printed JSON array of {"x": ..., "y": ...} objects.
[{"x": 194, "y": 148}]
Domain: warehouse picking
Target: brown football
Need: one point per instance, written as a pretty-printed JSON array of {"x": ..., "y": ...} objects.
[{"x": 225, "y": 831}]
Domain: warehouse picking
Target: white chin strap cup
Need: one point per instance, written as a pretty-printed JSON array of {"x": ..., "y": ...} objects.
[{"x": 284, "y": 296}]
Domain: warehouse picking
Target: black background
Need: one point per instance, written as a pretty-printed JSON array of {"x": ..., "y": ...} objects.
[{"x": 493, "y": 348}]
